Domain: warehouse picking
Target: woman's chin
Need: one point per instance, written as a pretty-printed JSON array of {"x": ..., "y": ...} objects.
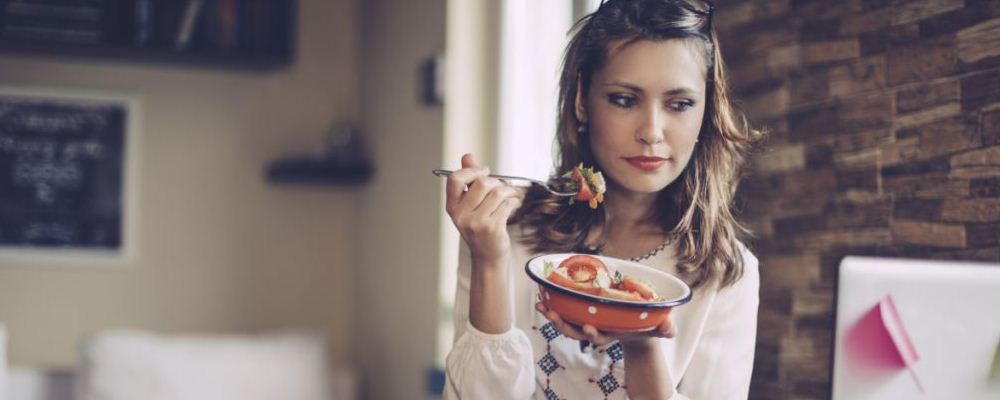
[
  {"x": 637, "y": 183},
  {"x": 646, "y": 186}
]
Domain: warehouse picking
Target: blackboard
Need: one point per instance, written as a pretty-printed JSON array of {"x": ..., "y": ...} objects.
[{"x": 62, "y": 165}]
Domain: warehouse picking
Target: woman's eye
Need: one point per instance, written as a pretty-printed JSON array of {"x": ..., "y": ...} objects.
[
  {"x": 681, "y": 105},
  {"x": 621, "y": 100}
]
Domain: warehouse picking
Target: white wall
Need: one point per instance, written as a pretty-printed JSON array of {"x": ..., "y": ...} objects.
[
  {"x": 397, "y": 276},
  {"x": 219, "y": 248},
  {"x": 3, "y": 361}
]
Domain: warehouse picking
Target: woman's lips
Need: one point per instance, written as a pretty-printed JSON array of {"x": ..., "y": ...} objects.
[{"x": 646, "y": 163}]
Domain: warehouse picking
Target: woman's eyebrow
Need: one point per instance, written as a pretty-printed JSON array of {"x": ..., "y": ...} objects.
[{"x": 672, "y": 92}]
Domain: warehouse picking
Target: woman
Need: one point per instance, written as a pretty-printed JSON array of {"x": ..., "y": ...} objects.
[{"x": 643, "y": 99}]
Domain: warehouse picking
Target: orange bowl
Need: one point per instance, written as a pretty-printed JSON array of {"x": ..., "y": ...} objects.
[{"x": 610, "y": 315}]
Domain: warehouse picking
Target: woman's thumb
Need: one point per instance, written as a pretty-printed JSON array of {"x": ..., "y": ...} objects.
[{"x": 468, "y": 161}]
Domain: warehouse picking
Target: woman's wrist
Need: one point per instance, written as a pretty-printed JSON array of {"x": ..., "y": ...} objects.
[
  {"x": 489, "y": 261},
  {"x": 647, "y": 375},
  {"x": 489, "y": 303},
  {"x": 640, "y": 347}
]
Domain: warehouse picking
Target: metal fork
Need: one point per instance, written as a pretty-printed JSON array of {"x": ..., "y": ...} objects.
[{"x": 544, "y": 184}]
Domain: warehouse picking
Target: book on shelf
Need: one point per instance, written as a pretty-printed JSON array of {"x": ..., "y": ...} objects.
[
  {"x": 250, "y": 29},
  {"x": 143, "y": 22},
  {"x": 191, "y": 13},
  {"x": 66, "y": 36},
  {"x": 166, "y": 22},
  {"x": 264, "y": 31},
  {"x": 70, "y": 12},
  {"x": 61, "y": 21},
  {"x": 227, "y": 24}
]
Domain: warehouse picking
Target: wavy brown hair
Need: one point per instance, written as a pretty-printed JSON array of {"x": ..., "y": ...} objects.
[{"x": 695, "y": 209}]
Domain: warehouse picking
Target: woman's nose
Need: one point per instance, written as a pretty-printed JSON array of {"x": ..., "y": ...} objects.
[{"x": 651, "y": 130}]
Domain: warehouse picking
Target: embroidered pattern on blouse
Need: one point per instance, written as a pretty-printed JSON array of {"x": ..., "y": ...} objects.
[
  {"x": 549, "y": 332},
  {"x": 608, "y": 384},
  {"x": 616, "y": 353},
  {"x": 549, "y": 365}
]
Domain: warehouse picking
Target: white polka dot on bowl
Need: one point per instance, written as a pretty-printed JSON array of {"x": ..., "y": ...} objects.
[
  {"x": 644, "y": 315},
  {"x": 592, "y": 310}
]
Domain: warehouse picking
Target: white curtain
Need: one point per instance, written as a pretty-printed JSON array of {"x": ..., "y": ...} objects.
[
  {"x": 530, "y": 37},
  {"x": 533, "y": 36}
]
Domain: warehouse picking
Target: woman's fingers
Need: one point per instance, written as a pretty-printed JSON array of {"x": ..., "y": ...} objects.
[
  {"x": 497, "y": 199},
  {"x": 586, "y": 332},
  {"x": 469, "y": 161},
  {"x": 459, "y": 180},
  {"x": 590, "y": 333},
  {"x": 498, "y": 192},
  {"x": 471, "y": 190},
  {"x": 479, "y": 188},
  {"x": 507, "y": 208},
  {"x": 666, "y": 329},
  {"x": 563, "y": 327},
  {"x": 457, "y": 183},
  {"x": 596, "y": 337}
]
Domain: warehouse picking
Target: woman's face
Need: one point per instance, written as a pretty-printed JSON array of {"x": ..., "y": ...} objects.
[{"x": 644, "y": 110}]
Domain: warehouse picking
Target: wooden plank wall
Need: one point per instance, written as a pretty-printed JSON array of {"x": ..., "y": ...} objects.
[{"x": 885, "y": 140}]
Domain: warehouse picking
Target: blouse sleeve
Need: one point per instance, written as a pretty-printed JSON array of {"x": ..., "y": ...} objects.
[
  {"x": 723, "y": 361},
  {"x": 482, "y": 365}
]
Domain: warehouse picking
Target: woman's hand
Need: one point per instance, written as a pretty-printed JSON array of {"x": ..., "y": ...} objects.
[
  {"x": 590, "y": 333},
  {"x": 647, "y": 375},
  {"x": 480, "y": 207}
]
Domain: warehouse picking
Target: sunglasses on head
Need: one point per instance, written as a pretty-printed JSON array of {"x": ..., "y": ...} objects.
[{"x": 704, "y": 8}]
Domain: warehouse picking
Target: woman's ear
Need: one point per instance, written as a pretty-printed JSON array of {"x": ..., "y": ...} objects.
[{"x": 581, "y": 111}]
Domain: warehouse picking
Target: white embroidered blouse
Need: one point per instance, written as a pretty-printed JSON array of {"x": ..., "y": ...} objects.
[{"x": 711, "y": 356}]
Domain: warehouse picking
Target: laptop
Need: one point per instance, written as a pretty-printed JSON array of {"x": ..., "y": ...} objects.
[{"x": 915, "y": 329}]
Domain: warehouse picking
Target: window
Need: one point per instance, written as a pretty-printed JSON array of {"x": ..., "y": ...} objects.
[{"x": 533, "y": 35}]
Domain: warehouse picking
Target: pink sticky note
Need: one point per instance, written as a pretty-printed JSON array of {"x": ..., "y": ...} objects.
[
  {"x": 879, "y": 344},
  {"x": 900, "y": 339}
]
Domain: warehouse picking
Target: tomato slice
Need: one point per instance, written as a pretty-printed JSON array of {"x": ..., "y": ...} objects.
[
  {"x": 583, "y": 262},
  {"x": 632, "y": 285},
  {"x": 577, "y": 175},
  {"x": 570, "y": 284},
  {"x": 581, "y": 271},
  {"x": 585, "y": 193}
]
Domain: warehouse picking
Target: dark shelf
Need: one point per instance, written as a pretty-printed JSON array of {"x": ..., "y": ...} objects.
[
  {"x": 229, "y": 59},
  {"x": 318, "y": 171},
  {"x": 251, "y": 34}
]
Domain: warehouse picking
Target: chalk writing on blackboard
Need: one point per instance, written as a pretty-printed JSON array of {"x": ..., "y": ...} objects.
[{"x": 61, "y": 172}]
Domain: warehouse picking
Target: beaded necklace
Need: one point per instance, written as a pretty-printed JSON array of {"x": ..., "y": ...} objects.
[{"x": 643, "y": 257}]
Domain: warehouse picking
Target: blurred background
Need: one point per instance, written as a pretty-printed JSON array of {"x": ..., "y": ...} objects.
[{"x": 272, "y": 173}]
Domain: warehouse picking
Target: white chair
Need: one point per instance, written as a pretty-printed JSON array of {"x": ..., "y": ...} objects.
[
  {"x": 22, "y": 383},
  {"x": 27, "y": 383},
  {"x": 129, "y": 365}
]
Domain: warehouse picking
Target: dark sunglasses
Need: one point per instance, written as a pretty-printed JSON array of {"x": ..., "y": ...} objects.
[{"x": 704, "y": 8}]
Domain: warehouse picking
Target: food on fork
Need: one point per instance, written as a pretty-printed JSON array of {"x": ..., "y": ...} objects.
[{"x": 588, "y": 184}]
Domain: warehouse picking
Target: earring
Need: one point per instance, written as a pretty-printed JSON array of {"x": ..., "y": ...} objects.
[{"x": 581, "y": 128}]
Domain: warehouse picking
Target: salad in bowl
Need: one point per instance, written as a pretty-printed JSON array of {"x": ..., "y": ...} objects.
[{"x": 612, "y": 294}]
